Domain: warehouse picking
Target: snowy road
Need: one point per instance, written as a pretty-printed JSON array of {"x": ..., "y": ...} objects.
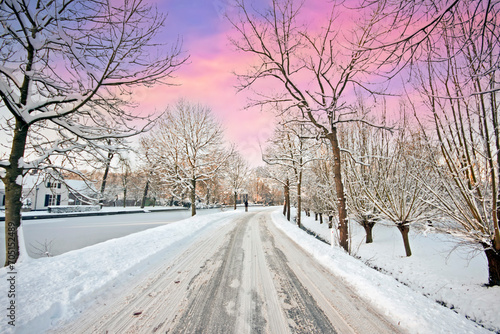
[{"x": 245, "y": 277}]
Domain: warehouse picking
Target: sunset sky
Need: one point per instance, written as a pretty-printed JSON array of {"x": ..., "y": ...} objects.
[{"x": 208, "y": 76}]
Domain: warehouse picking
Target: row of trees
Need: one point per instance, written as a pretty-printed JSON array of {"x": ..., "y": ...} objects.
[
  {"x": 384, "y": 174},
  {"x": 182, "y": 160},
  {"x": 444, "y": 54},
  {"x": 125, "y": 186}
]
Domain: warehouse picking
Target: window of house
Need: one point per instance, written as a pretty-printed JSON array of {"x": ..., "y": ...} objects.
[
  {"x": 52, "y": 200},
  {"x": 54, "y": 185}
]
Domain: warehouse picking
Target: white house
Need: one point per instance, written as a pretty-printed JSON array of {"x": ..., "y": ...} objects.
[{"x": 42, "y": 190}]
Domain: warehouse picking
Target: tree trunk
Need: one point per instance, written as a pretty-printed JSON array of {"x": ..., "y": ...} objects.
[
  {"x": 368, "y": 225},
  {"x": 405, "y": 229},
  {"x": 286, "y": 193},
  {"x": 13, "y": 193},
  {"x": 330, "y": 221},
  {"x": 287, "y": 199},
  {"x": 339, "y": 188},
  {"x": 105, "y": 176},
  {"x": 193, "y": 197},
  {"x": 321, "y": 218},
  {"x": 493, "y": 265},
  {"x": 316, "y": 216},
  {"x": 13, "y": 205},
  {"x": 299, "y": 200},
  {"x": 145, "y": 194},
  {"x": 235, "y": 198},
  {"x": 125, "y": 197},
  {"x": 288, "y": 214}
]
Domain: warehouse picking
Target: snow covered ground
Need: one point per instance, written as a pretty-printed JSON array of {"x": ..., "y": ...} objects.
[
  {"x": 453, "y": 278},
  {"x": 50, "y": 290},
  {"x": 60, "y": 233},
  {"x": 104, "y": 210}
]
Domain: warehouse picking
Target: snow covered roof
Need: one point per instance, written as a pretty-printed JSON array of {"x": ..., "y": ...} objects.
[
  {"x": 80, "y": 186},
  {"x": 32, "y": 181},
  {"x": 29, "y": 181}
]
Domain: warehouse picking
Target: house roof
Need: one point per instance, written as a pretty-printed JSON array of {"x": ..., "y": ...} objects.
[
  {"x": 29, "y": 181},
  {"x": 81, "y": 186},
  {"x": 32, "y": 181}
]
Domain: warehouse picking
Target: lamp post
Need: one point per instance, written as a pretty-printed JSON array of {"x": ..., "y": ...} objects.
[{"x": 36, "y": 196}]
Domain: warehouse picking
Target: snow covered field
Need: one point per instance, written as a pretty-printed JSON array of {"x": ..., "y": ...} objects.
[
  {"x": 104, "y": 210},
  {"x": 50, "y": 290},
  {"x": 453, "y": 278},
  {"x": 70, "y": 232}
]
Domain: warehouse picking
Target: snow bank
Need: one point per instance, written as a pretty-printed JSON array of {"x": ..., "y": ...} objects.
[
  {"x": 103, "y": 211},
  {"x": 49, "y": 290},
  {"x": 453, "y": 277},
  {"x": 72, "y": 208},
  {"x": 407, "y": 308}
]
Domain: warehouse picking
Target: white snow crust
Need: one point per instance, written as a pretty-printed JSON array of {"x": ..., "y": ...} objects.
[
  {"x": 410, "y": 289},
  {"x": 56, "y": 289}
]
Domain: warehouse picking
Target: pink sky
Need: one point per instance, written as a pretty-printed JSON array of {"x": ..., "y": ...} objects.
[{"x": 208, "y": 77}]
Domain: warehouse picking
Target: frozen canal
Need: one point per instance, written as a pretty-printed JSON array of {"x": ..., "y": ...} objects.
[{"x": 62, "y": 235}]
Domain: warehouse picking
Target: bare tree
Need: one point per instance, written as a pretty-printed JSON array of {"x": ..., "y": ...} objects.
[
  {"x": 460, "y": 86},
  {"x": 323, "y": 183},
  {"x": 115, "y": 146},
  {"x": 237, "y": 172},
  {"x": 364, "y": 145},
  {"x": 150, "y": 165},
  {"x": 189, "y": 147},
  {"x": 314, "y": 71},
  {"x": 125, "y": 171},
  {"x": 291, "y": 147},
  {"x": 280, "y": 175},
  {"x": 65, "y": 71},
  {"x": 396, "y": 184}
]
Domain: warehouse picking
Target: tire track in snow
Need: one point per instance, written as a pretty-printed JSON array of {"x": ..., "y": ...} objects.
[
  {"x": 303, "y": 312},
  {"x": 211, "y": 293},
  {"x": 345, "y": 310},
  {"x": 160, "y": 297},
  {"x": 245, "y": 277}
]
